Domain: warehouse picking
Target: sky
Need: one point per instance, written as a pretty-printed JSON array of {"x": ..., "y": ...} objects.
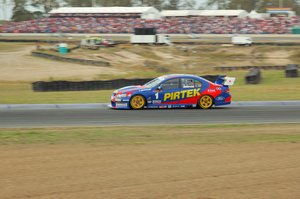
[
  {"x": 6, "y": 9},
  {"x": 200, "y": 1}
]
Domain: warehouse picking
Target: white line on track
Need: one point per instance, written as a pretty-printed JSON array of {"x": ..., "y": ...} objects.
[{"x": 105, "y": 105}]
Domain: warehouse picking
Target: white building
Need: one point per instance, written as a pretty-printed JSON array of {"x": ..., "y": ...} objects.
[
  {"x": 175, "y": 13},
  {"x": 255, "y": 15},
  {"x": 286, "y": 12},
  {"x": 205, "y": 13},
  {"x": 142, "y": 12},
  {"x": 220, "y": 13}
]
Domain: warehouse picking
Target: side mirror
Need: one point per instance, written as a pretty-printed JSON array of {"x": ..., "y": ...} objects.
[{"x": 159, "y": 88}]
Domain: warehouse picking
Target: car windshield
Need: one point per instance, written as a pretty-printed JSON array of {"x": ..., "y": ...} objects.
[{"x": 154, "y": 82}]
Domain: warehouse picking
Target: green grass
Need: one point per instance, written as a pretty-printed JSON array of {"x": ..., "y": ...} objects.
[
  {"x": 274, "y": 86},
  {"x": 198, "y": 134},
  {"x": 21, "y": 93}
]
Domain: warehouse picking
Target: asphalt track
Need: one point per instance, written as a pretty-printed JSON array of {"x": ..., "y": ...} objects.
[{"x": 101, "y": 115}]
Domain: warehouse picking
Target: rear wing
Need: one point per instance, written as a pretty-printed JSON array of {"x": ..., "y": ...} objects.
[{"x": 226, "y": 81}]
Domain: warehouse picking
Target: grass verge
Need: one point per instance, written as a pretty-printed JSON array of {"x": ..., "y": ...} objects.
[
  {"x": 274, "y": 86},
  {"x": 21, "y": 93},
  {"x": 196, "y": 134}
]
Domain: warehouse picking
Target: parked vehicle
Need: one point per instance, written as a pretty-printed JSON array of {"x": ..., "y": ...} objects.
[
  {"x": 95, "y": 43},
  {"x": 241, "y": 40}
]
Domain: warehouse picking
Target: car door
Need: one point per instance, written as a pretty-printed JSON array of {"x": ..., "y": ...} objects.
[
  {"x": 190, "y": 90},
  {"x": 167, "y": 93}
]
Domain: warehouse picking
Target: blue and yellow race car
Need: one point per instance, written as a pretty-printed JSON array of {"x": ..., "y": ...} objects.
[{"x": 174, "y": 91}]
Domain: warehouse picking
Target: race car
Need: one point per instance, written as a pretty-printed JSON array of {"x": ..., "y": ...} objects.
[{"x": 174, "y": 91}]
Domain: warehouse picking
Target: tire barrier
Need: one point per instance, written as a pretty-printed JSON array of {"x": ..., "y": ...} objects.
[
  {"x": 42, "y": 86},
  {"x": 230, "y": 68},
  {"x": 74, "y": 48},
  {"x": 253, "y": 76},
  {"x": 291, "y": 70},
  {"x": 68, "y": 59}
]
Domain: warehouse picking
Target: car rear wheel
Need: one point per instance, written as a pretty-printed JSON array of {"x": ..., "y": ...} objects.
[
  {"x": 206, "y": 102},
  {"x": 137, "y": 102}
]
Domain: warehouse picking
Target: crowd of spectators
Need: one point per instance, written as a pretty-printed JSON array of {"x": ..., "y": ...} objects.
[{"x": 175, "y": 25}]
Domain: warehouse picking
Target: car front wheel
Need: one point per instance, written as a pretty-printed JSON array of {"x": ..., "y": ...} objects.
[{"x": 137, "y": 102}]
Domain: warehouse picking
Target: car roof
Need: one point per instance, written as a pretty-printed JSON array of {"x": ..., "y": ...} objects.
[
  {"x": 183, "y": 76},
  {"x": 180, "y": 75}
]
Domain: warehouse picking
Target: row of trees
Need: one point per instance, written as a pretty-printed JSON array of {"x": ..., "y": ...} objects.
[
  {"x": 258, "y": 5},
  {"x": 20, "y": 13}
]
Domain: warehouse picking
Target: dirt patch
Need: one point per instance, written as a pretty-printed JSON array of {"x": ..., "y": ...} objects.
[
  {"x": 129, "y": 55},
  {"x": 243, "y": 171},
  {"x": 109, "y": 57},
  {"x": 164, "y": 55},
  {"x": 280, "y": 54},
  {"x": 20, "y": 66},
  {"x": 280, "y": 57}
]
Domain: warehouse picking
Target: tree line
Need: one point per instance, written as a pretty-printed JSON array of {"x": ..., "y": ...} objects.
[
  {"x": 258, "y": 5},
  {"x": 21, "y": 13}
]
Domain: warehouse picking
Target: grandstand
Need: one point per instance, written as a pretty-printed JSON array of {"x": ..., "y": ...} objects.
[{"x": 114, "y": 20}]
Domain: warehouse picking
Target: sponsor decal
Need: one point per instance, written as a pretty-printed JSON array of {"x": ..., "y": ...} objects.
[
  {"x": 211, "y": 90},
  {"x": 182, "y": 94},
  {"x": 162, "y": 107},
  {"x": 170, "y": 106},
  {"x": 125, "y": 100},
  {"x": 149, "y": 102},
  {"x": 121, "y": 104},
  {"x": 156, "y": 102},
  {"x": 152, "y": 106},
  {"x": 194, "y": 105},
  {"x": 220, "y": 98}
]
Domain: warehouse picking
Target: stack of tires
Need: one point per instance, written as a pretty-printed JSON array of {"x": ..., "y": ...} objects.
[
  {"x": 253, "y": 76},
  {"x": 291, "y": 70}
]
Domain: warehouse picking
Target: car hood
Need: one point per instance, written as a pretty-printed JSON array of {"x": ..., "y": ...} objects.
[{"x": 131, "y": 89}]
